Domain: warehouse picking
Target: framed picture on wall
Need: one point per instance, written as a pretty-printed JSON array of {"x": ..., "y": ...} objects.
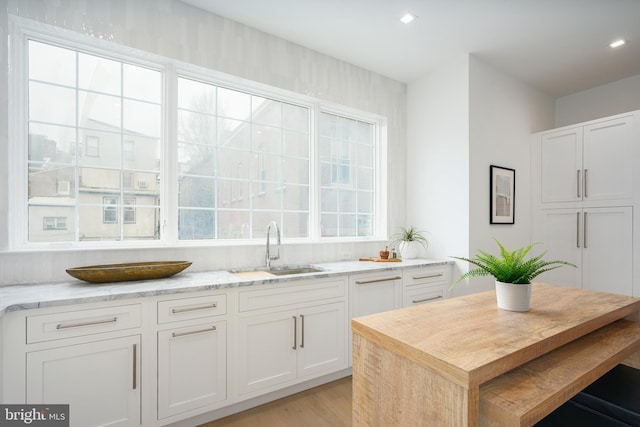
[{"x": 502, "y": 195}]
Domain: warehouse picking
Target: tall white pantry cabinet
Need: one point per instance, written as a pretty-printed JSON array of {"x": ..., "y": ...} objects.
[{"x": 586, "y": 194}]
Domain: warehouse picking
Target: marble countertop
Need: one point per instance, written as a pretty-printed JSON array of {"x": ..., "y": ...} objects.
[{"x": 38, "y": 295}]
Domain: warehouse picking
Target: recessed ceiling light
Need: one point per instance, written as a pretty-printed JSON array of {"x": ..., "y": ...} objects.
[
  {"x": 618, "y": 43},
  {"x": 407, "y": 17}
]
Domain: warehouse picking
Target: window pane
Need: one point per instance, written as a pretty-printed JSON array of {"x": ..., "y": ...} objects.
[
  {"x": 295, "y": 224},
  {"x": 196, "y": 224},
  {"x": 100, "y": 222},
  {"x": 196, "y": 159},
  {"x": 196, "y": 192},
  {"x": 267, "y": 111},
  {"x": 141, "y": 223},
  {"x": 295, "y": 117},
  {"x": 141, "y": 118},
  {"x": 51, "y": 223},
  {"x": 92, "y": 179},
  {"x": 141, "y": 153},
  {"x": 51, "y": 183},
  {"x": 49, "y": 143},
  {"x": 142, "y": 83},
  {"x": 52, "y": 104},
  {"x": 234, "y": 104},
  {"x": 99, "y": 74},
  {"x": 99, "y": 148},
  {"x": 233, "y": 224},
  {"x": 296, "y": 144},
  {"x": 196, "y": 128},
  {"x": 97, "y": 111},
  {"x": 52, "y": 64},
  {"x": 196, "y": 96}
]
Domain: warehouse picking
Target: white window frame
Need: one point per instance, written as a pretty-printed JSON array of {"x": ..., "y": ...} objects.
[{"x": 22, "y": 29}]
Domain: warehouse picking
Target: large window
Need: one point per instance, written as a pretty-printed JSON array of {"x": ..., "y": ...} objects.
[
  {"x": 347, "y": 165},
  {"x": 243, "y": 162},
  {"x": 125, "y": 145},
  {"x": 86, "y": 113}
]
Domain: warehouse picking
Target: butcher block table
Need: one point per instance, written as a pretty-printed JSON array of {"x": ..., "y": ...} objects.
[{"x": 465, "y": 362}]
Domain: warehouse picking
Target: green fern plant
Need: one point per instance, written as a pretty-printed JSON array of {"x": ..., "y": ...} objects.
[{"x": 510, "y": 266}]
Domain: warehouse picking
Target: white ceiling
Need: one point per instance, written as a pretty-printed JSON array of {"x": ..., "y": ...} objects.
[{"x": 558, "y": 46}]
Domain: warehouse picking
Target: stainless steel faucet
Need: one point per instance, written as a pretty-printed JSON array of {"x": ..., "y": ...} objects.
[{"x": 268, "y": 256}]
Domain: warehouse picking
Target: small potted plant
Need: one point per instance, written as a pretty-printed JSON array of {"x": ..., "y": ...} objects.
[
  {"x": 512, "y": 272},
  {"x": 408, "y": 242}
]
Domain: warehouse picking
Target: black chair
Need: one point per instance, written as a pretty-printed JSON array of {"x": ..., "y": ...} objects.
[
  {"x": 615, "y": 394},
  {"x": 572, "y": 414}
]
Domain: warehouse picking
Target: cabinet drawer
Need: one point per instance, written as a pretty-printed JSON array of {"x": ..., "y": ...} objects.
[
  {"x": 191, "y": 308},
  {"x": 298, "y": 292},
  {"x": 420, "y": 276},
  {"x": 70, "y": 324},
  {"x": 422, "y": 295}
]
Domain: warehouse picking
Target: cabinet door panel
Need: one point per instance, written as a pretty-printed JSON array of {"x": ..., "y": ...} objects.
[
  {"x": 608, "y": 250},
  {"x": 322, "y": 337},
  {"x": 607, "y": 160},
  {"x": 561, "y": 234},
  {"x": 266, "y": 356},
  {"x": 99, "y": 380},
  {"x": 371, "y": 296},
  {"x": 191, "y": 367},
  {"x": 561, "y": 159}
]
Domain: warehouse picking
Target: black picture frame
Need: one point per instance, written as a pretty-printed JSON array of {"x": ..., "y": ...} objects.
[{"x": 502, "y": 199}]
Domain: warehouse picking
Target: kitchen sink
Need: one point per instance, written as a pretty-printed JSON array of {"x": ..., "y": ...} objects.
[
  {"x": 284, "y": 270},
  {"x": 278, "y": 271}
]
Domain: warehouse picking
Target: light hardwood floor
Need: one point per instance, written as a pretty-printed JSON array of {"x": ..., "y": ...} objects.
[{"x": 328, "y": 405}]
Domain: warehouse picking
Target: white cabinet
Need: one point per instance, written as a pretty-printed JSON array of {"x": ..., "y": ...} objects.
[
  {"x": 599, "y": 241},
  {"x": 290, "y": 332},
  {"x": 372, "y": 293},
  {"x": 76, "y": 358},
  {"x": 585, "y": 198},
  {"x": 425, "y": 284},
  {"x": 100, "y": 381},
  {"x": 591, "y": 162},
  {"x": 192, "y": 354}
]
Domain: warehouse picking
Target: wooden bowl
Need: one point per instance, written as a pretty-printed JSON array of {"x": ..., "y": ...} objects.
[{"x": 128, "y": 272}]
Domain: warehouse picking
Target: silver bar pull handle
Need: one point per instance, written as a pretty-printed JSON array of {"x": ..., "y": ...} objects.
[
  {"x": 578, "y": 180},
  {"x": 194, "y": 308},
  {"x": 367, "y": 282},
  {"x": 427, "y": 276},
  {"x": 418, "y": 301},
  {"x": 295, "y": 330},
  {"x": 135, "y": 366},
  {"x": 302, "y": 326},
  {"x": 584, "y": 185},
  {"x": 577, "y": 229},
  {"x": 584, "y": 231},
  {"x": 198, "y": 331},
  {"x": 88, "y": 323}
]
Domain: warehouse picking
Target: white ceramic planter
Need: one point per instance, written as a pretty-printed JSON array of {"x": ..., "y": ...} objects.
[
  {"x": 513, "y": 297},
  {"x": 409, "y": 250}
]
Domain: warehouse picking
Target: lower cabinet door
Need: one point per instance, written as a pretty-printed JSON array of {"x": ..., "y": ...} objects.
[
  {"x": 267, "y": 346},
  {"x": 100, "y": 381},
  {"x": 192, "y": 368},
  {"x": 322, "y": 339}
]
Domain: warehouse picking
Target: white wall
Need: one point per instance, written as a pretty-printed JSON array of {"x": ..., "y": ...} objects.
[
  {"x": 602, "y": 101},
  {"x": 438, "y": 157},
  {"x": 503, "y": 114},
  {"x": 173, "y": 29},
  {"x": 462, "y": 118}
]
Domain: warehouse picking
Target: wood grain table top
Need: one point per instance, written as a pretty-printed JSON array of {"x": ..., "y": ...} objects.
[{"x": 469, "y": 340}]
